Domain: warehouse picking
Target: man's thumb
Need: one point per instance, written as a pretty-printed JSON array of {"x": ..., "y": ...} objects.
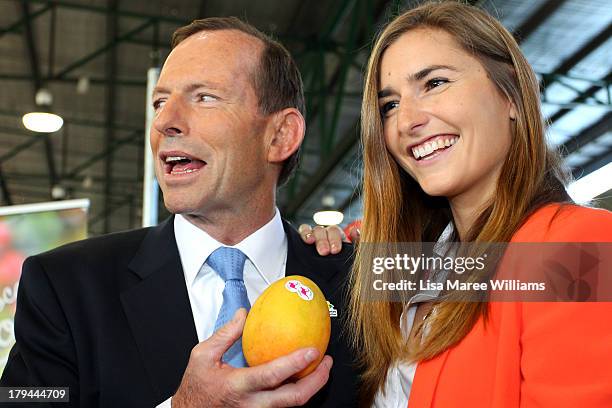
[{"x": 227, "y": 335}]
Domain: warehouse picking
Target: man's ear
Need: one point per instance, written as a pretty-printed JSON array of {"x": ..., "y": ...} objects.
[{"x": 288, "y": 133}]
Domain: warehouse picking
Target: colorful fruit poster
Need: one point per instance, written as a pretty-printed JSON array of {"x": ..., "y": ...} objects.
[{"x": 27, "y": 230}]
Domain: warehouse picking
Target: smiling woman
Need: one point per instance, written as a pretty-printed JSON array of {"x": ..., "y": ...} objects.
[
  {"x": 429, "y": 104},
  {"x": 453, "y": 140}
]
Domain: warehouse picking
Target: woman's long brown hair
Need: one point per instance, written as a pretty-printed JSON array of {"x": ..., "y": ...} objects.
[{"x": 397, "y": 210}]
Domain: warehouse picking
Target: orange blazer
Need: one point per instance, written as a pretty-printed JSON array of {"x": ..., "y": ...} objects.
[{"x": 531, "y": 354}]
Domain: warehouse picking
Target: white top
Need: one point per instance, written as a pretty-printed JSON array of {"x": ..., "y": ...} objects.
[
  {"x": 266, "y": 251},
  {"x": 400, "y": 375}
]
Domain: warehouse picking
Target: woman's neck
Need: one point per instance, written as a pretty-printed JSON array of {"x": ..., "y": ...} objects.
[{"x": 465, "y": 213}]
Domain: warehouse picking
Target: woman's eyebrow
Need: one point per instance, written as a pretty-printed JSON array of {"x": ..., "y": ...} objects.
[
  {"x": 415, "y": 77},
  {"x": 383, "y": 93}
]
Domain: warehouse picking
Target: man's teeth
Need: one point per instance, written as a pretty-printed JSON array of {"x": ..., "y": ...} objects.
[
  {"x": 183, "y": 171},
  {"x": 427, "y": 148},
  {"x": 171, "y": 159}
]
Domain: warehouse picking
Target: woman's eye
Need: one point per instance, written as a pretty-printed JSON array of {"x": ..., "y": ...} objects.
[
  {"x": 387, "y": 107},
  {"x": 434, "y": 83}
]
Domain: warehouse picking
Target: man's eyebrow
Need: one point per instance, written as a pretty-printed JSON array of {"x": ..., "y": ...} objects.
[
  {"x": 417, "y": 76},
  {"x": 189, "y": 88}
]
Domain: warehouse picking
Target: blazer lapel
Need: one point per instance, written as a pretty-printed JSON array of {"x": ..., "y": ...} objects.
[{"x": 158, "y": 310}]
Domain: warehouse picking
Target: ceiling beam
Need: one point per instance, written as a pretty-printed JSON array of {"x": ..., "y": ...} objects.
[
  {"x": 595, "y": 164},
  {"x": 38, "y": 84},
  {"x": 579, "y": 99},
  {"x": 202, "y": 9},
  {"x": 74, "y": 80},
  {"x": 112, "y": 30},
  {"x": 318, "y": 111},
  {"x": 110, "y": 45},
  {"x": 6, "y": 194},
  {"x": 31, "y": 46},
  {"x": 20, "y": 147},
  {"x": 82, "y": 6},
  {"x": 325, "y": 169},
  {"x": 536, "y": 19},
  {"x": 38, "y": 177},
  {"x": 564, "y": 67},
  {"x": 78, "y": 122},
  {"x": 583, "y": 52},
  {"x": 587, "y": 135},
  {"x": 16, "y": 26}
]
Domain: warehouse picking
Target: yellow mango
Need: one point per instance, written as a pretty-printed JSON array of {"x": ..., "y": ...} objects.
[{"x": 290, "y": 314}]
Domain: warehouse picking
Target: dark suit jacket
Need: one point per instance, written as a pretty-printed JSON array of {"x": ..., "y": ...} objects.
[{"x": 110, "y": 318}]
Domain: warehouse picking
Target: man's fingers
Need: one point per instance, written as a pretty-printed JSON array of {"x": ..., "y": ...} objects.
[
  {"x": 223, "y": 338},
  {"x": 298, "y": 393},
  {"x": 335, "y": 236},
  {"x": 305, "y": 231},
  {"x": 320, "y": 235},
  {"x": 274, "y": 373}
]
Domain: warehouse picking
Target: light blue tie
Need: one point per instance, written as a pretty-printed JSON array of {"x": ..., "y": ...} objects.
[{"x": 229, "y": 264}]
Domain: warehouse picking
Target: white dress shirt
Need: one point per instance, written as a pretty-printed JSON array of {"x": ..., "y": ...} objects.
[{"x": 266, "y": 251}]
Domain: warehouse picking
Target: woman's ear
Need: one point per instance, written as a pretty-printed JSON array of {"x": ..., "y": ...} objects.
[
  {"x": 512, "y": 112},
  {"x": 288, "y": 133}
]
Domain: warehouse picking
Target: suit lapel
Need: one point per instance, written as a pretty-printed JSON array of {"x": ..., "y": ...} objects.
[{"x": 158, "y": 310}]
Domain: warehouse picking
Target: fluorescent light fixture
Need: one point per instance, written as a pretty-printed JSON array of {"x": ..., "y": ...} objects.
[
  {"x": 328, "y": 217},
  {"x": 592, "y": 185},
  {"x": 42, "y": 122}
]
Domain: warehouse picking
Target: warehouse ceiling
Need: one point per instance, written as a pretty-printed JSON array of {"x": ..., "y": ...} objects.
[{"x": 93, "y": 55}]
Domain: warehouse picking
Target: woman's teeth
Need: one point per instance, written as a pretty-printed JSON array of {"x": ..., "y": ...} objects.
[{"x": 427, "y": 148}]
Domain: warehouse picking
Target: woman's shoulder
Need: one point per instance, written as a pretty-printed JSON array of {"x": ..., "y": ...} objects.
[{"x": 562, "y": 222}]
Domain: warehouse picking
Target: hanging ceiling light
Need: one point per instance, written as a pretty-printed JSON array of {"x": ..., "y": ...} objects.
[
  {"x": 42, "y": 121},
  {"x": 328, "y": 216}
]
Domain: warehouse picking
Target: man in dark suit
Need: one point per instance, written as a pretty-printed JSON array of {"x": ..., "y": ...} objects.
[{"x": 133, "y": 319}]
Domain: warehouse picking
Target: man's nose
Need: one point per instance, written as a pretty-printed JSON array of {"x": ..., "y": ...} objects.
[
  {"x": 170, "y": 119},
  {"x": 411, "y": 117}
]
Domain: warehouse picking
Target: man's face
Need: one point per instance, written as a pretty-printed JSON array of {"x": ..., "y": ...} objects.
[{"x": 208, "y": 135}]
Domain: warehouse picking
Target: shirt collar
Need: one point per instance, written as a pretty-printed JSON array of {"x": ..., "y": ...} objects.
[
  {"x": 442, "y": 248},
  {"x": 195, "y": 246}
]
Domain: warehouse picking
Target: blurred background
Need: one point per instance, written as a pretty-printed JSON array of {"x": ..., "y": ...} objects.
[{"x": 87, "y": 61}]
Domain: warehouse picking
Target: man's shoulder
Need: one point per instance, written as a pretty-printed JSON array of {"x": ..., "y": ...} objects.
[
  {"x": 91, "y": 261},
  {"x": 102, "y": 247},
  {"x": 309, "y": 251},
  {"x": 330, "y": 272}
]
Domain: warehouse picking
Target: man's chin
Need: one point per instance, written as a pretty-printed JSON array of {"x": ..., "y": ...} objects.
[{"x": 180, "y": 207}]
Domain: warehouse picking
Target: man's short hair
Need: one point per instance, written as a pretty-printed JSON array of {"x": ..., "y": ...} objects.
[{"x": 276, "y": 80}]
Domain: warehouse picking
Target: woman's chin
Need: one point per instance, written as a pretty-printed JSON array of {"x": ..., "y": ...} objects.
[{"x": 435, "y": 190}]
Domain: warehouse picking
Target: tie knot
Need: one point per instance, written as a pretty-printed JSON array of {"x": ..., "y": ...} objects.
[{"x": 227, "y": 262}]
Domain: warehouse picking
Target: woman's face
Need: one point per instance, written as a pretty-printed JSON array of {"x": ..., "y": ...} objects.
[{"x": 445, "y": 122}]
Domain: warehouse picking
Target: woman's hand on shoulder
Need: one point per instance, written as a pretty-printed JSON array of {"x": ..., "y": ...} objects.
[{"x": 328, "y": 240}]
